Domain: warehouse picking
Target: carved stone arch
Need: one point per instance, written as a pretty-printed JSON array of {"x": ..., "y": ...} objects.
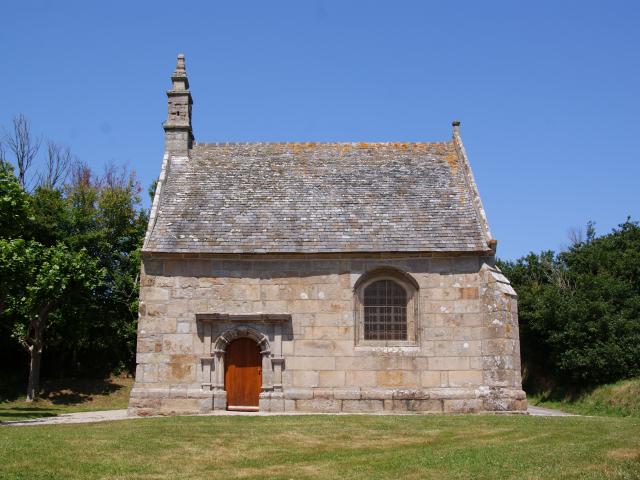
[
  {"x": 222, "y": 342},
  {"x": 411, "y": 287},
  {"x": 385, "y": 272}
]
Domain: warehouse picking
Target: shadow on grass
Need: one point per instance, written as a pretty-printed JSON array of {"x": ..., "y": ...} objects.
[
  {"x": 70, "y": 391},
  {"x": 21, "y": 413}
]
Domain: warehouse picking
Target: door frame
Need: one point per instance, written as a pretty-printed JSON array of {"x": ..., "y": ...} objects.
[{"x": 217, "y": 330}]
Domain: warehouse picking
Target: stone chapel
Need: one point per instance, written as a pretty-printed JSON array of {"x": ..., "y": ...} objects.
[{"x": 320, "y": 277}]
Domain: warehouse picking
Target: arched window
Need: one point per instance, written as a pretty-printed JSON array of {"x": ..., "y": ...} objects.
[
  {"x": 385, "y": 311},
  {"x": 386, "y": 308}
]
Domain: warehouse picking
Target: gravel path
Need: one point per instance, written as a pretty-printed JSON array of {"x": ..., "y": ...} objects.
[{"x": 109, "y": 415}]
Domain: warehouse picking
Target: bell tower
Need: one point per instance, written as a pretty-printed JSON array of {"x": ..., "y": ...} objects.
[{"x": 178, "y": 134}]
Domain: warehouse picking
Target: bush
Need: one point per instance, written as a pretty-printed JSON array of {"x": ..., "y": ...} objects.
[{"x": 580, "y": 311}]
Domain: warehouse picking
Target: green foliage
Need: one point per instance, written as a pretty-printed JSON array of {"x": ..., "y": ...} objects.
[
  {"x": 38, "y": 280},
  {"x": 14, "y": 204},
  {"x": 73, "y": 254},
  {"x": 579, "y": 310}
]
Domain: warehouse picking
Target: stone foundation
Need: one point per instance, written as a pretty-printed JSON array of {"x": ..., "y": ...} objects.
[{"x": 168, "y": 401}]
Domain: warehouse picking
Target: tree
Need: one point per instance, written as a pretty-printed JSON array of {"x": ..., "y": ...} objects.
[
  {"x": 38, "y": 281},
  {"x": 69, "y": 267},
  {"x": 58, "y": 162},
  {"x": 580, "y": 310},
  {"x": 23, "y": 145}
]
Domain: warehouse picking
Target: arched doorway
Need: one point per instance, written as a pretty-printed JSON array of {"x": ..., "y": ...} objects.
[{"x": 243, "y": 374}]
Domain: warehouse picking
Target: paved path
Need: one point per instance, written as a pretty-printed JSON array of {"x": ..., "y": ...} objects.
[
  {"x": 109, "y": 415},
  {"x": 77, "y": 417},
  {"x": 547, "y": 412}
]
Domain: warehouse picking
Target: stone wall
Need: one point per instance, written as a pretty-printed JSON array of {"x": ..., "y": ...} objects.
[{"x": 465, "y": 357}]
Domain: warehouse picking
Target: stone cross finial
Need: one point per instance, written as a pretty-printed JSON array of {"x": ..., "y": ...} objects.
[{"x": 180, "y": 68}]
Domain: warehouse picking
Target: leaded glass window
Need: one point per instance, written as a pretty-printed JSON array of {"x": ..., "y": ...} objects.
[{"x": 385, "y": 311}]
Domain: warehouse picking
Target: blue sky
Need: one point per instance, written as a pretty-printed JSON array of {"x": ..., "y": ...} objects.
[{"x": 547, "y": 92}]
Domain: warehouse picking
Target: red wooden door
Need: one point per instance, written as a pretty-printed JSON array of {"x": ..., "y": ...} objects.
[{"x": 243, "y": 374}]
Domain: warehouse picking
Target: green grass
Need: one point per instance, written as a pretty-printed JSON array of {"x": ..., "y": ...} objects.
[
  {"x": 620, "y": 399},
  {"x": 316, "y": 447},
  {"x": 70, "y": 395}
]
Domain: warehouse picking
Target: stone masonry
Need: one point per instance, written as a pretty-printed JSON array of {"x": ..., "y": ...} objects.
[{"x": 230, "y": 254}]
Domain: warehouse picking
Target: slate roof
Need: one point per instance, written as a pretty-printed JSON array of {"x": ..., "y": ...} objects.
[{"x": 325, "y": 197}]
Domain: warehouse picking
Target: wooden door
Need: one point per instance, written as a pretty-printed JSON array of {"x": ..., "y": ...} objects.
[{"x": 243, "y": 374}]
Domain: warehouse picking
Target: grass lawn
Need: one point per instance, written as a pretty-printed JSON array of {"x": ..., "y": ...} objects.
[
  {"x": 295, "y": 447},
  {"x": 70, "y": 395},
  {"x": 620, "y": 399}
]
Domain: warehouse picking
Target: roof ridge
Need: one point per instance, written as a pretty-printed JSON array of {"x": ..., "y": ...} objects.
[{"x": 359, "y": 143}]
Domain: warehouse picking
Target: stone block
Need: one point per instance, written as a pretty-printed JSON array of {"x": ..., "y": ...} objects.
[
  {"x": 331, "y": 378},
  {"x": 306, "y": 306},
  {"x": 311, "y": 348},
  {"x": 157, "y": 325},
  {"x": 177, "y": 307},
  {"x": 498, "y": 362},
  {"x": 499, "y": 346},
  {"x": 287, "y": 348},
  {"x": 206, "y": 404},
  {"x": 448, "y": 348},
  {"x": 465, "y": 378},
  {"x": 500, "y": 378},
  {"x": 177, "y": 372},
  {"x": 319, "y": 405},
  {"x": 362, "y": 406},
  {"x": 439, "y": 294},
  {"x": 306, "y": 378},
  {"x": 437, "y": 333},
  {"x": 148, "y": 344},
  {"x": 346, "y": 393},
  {"x": 149, "y": 373},
  {"x": 463, "y": 406},
  {"x": 466, "y": 306},
  {"x": 329, "y": 333},
  {"x": 469, "y": 293},
  {"x": 417, "y": 405},
  {"x": 177, "y": 343},
  {"x": 449, "y": 363},
  {"x": 185, "y": 327},
  {"x": 376, "y": 393},
  {"x": 359, "y": 378},
  {"x": 323, "y": 393},
  {"x": 293, "y": 393},
  {"x": 430, "y": 379},
  {"x": 311, "y": 363},
  {"x": 220, "y": 400},
  {"x": 397, "y": 378},
  {"x": 458, "y": 320},
  {"x": 276, "y": 404},
  {"x": 155, "y": 308}
]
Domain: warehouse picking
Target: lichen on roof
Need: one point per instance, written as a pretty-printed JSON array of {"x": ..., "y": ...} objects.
[{"x": 316, "y": 197}]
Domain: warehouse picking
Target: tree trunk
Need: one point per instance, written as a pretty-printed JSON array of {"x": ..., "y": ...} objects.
[
  {"x": 33, "y": 387},
  {"x": 35, "y": 354}
]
